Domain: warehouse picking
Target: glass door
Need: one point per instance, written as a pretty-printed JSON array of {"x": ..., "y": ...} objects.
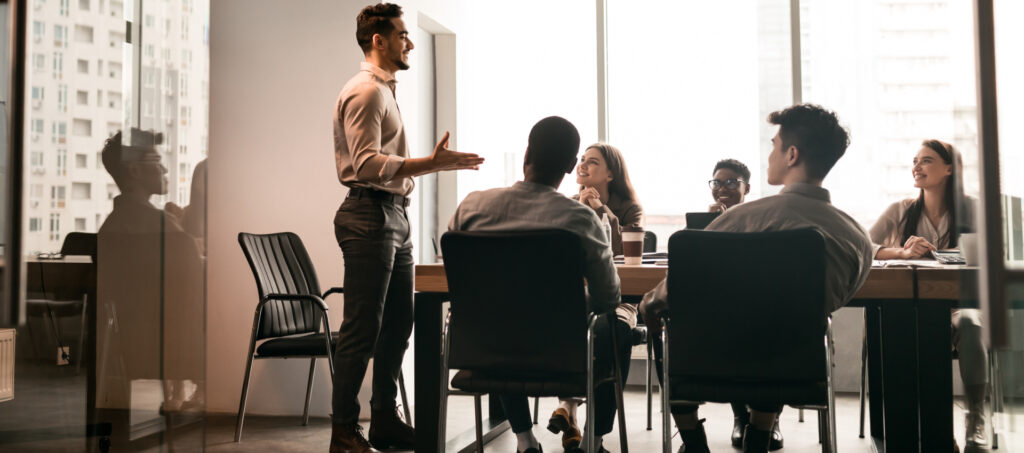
[
  {"x": 1000, "y": 68},
  {"x": 110, "y": 341}
]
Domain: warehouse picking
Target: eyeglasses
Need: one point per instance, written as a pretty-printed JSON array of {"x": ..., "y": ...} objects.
[{"x": 731, "y": 183}]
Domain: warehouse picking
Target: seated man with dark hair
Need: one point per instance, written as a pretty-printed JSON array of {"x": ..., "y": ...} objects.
[
  {"x": 808, "y": 144},
  {"x": 534, "y": 204}
]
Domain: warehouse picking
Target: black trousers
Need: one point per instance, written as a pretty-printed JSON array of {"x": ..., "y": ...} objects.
[
  {"x": 374, "y": 236},
  {"x": 517, "y": 407}
]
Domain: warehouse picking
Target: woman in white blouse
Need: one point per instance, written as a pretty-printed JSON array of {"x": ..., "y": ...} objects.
[{"x": 911, "y": 229}]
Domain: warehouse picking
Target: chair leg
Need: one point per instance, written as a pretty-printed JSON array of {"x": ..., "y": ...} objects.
[
  {"x": 588, "y": 430},
  {"x": 248, "y": 367},
  {"x": 800, "y": 419},
  {"x": 309, "y": 391},
  {"x": 666, "y": 405},
  {"x": 443, "y": 409},
  {"x": 821, "y": 429},
  {"x": 245, "y": 393},
  {"x": 649, "y": 372},
  {"x": 863, "y": 380},
  {"x": 81, "y": 335},
  {"x": 405, "y": 399},
  {"x": 617, "y": 374},
  {"x": 536, "y": 409},
  {"x": 479, "y": 423}
]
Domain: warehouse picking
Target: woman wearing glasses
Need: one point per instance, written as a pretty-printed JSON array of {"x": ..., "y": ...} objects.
[
  {"x": 730, "y": 184},
  {"x": 911, "y": 229}
]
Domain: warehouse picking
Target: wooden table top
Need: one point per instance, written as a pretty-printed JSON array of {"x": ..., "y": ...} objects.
[{"x": 883, "y": 283}]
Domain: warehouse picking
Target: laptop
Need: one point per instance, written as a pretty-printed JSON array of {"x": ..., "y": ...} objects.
[{"x": 700, "y": 220}]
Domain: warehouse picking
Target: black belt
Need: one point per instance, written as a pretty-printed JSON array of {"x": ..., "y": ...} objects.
[{"x": 379, "y": 195}]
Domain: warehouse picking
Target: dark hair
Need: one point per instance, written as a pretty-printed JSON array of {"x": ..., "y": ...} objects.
[
  {"x": 734, "y": 165},
  {"x": 953, "y": 198},
  {"x": 620, "y": 185},
  {"x": 115, "y": 154},
  {"x": 815, "y": 132},
  {"x": 554, "y": 143},
  {"x": 375, "y": 20}
]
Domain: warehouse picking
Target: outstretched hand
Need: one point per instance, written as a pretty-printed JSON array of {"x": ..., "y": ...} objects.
[{"x": 446, "y": 159}]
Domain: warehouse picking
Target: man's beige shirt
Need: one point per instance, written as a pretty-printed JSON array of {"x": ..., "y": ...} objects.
[{"x": 369, "y": 136}]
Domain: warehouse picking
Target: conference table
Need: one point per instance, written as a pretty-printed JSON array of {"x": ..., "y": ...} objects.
[{"x": 908, "y": 337}]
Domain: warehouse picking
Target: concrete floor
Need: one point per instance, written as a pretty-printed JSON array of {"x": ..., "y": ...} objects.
[{"x": 283, "y": 434}]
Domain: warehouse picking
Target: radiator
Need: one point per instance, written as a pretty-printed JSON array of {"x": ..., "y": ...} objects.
[{"x": 6, "y": 364}]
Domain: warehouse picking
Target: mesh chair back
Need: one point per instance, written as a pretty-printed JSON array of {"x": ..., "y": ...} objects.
[
  {"x": 280, "y": 264},
  {"x": 78, "y": 243},
  {"x": 517, "y": 301},
  {"x": 747, "y": 306}
]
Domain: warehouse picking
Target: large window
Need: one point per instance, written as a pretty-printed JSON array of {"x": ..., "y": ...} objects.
[
  {"x": 685, "y": 93},
  {"x": 896, "y": 72},
  {"x": 684, "y": 96},
  {"x": 528, "y": 74}
]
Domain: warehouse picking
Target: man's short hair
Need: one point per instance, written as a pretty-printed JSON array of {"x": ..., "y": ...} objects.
[
  {"x": 116, "y": 155},
  {"x": 814, "y": 131},
  {"x": 554, "y": 142},
  {"x": 375, "y": 20},
  {"x": 734, "y": 165}
]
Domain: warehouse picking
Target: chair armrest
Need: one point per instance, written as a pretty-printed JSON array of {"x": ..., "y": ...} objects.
[
  {"x": 302, "y": 297},
  {"x": 335, "y": 290}
]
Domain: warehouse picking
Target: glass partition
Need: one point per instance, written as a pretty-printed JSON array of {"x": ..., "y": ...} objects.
[{"x": 112, "y": 350}]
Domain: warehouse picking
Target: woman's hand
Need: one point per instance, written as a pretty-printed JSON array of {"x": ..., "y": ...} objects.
[
  {"x": 916, "y": 247},
  {"x": 590, "y": 197}
]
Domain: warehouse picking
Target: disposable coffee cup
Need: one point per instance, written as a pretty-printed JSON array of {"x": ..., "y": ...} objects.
[
  {"x": 633, "y": 244},
  {"x": 969, "y": 248}
]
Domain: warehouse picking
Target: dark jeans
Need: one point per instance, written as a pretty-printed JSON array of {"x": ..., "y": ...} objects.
[
  {"x": 678, "y": 409},
  {"x": 374, "y": 236},
  {"x": 517, "y": 406}
]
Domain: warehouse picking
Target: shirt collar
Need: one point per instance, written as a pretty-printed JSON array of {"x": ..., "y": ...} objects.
[
  {"x": 532, "y": 187},
  {"x": 808, "y": 190},
  {"x": 377, "y": 72}
]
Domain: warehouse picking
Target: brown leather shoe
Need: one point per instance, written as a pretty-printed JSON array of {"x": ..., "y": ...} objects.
[
  {"x": 562, "y": 422},
  {"x": 388, "y": 430},
  {"x": 349, "y": 439}
]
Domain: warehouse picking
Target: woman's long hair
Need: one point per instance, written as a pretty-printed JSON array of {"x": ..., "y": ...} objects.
[
  {"x": 620, "y": 185},
  {"x": 953, "y": 198}
]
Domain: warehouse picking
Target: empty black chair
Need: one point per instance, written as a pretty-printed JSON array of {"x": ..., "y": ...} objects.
[
  {"x": 53, "y": 296},
  {"x": 519, "y": 320},
  {"x": 290, "y": 311},
  {"x": 747, "y": 322}
]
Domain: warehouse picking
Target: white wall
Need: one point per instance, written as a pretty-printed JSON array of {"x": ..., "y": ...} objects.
[{"x": 275, "y": 73}]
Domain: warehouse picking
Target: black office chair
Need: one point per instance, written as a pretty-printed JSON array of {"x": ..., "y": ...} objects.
[
  {"x": 519, "y": 321},
  {"x": 290, "y": 311},
  {"x": 748, "y": 322},
  {"x": 60, "y": 298}
]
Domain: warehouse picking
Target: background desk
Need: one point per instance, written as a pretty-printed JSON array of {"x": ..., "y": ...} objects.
[{"x": 906, "y": 334}]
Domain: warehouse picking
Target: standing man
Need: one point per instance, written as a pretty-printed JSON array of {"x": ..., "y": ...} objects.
[{"x": 372, "y": 228}]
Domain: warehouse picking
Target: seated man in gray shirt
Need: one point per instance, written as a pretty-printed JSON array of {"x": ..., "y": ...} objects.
[
  {"x": 534, "y": 204},
  {"x": 808, "y": 143}
]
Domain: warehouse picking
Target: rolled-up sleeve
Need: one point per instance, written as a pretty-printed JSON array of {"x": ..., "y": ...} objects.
[
  {"x": 884, "y": 231},
  {"x": 361, "y": 115}
]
